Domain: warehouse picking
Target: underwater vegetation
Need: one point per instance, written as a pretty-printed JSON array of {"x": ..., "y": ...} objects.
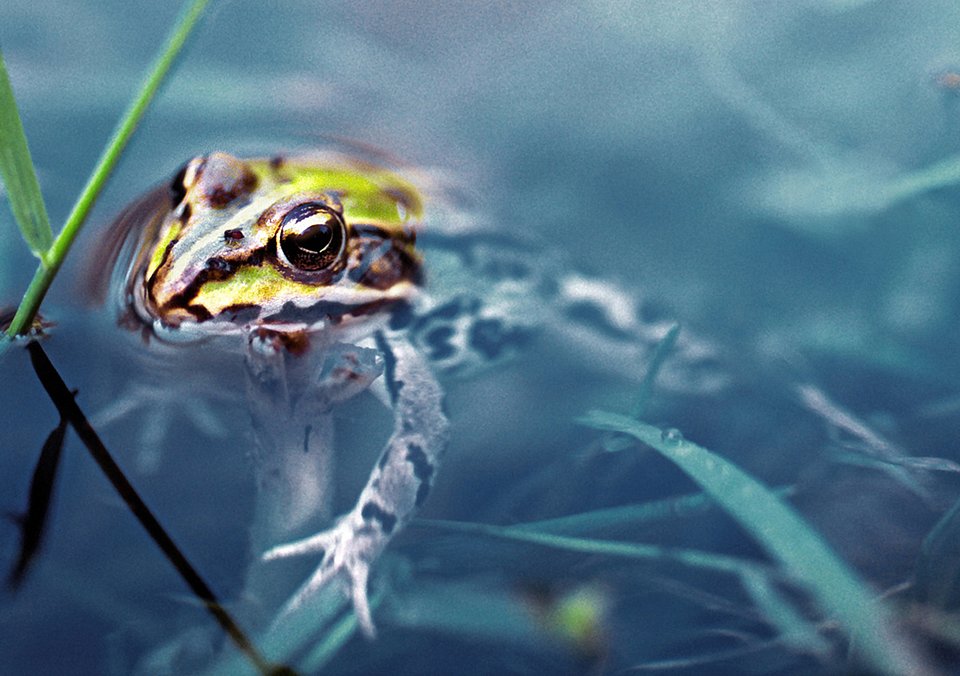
[{"x": 731, "y": 452}]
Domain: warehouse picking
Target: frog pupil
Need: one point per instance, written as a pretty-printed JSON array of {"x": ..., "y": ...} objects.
[
  {"x": 311, "y": 236},
  {"x": 314, "y": 239}
]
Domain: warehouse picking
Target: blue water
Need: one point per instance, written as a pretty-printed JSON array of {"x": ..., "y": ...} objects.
[{"x": 775, "y": 176}]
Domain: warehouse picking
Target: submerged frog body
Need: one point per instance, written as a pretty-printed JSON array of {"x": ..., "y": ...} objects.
[{"x": 314, "y": 263}]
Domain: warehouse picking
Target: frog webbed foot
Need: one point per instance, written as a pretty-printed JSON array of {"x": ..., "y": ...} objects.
[{"x": 349, "y": 549}]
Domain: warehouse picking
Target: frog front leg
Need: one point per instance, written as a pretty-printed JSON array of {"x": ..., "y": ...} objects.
[
  {"x": 397, "y": 487},
  {"x": 292, "y": 393}
]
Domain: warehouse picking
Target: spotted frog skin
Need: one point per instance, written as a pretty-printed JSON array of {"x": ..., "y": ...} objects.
[{"x": 313, "y": 265}]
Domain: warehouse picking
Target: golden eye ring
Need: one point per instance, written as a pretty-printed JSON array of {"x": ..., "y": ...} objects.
[{"x": 311, "y": 237}]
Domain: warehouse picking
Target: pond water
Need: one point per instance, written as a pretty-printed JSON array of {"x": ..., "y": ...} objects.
[{"x": 779, "y": 178}]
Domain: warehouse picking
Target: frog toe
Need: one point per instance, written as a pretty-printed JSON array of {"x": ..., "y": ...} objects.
[
  {"x": 315, "y": 544},
  {"x": 340, "y": 560},
  {"x": 359, "y": 575}
]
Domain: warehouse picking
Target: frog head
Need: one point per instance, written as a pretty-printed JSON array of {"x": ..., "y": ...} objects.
[{"x": 288, "y": 245}]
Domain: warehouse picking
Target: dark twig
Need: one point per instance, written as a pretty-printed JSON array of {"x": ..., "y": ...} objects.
[
  {"x": 67, "y": 406},
  {"x": 33, "y": 522}
]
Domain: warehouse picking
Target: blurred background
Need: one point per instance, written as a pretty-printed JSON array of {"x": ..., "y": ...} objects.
[{"x": 779, "y": 177}]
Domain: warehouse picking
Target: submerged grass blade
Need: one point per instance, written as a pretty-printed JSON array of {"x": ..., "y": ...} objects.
[
  {"x": 19, "y": 176},
  {"x": 469, "y": 608},
  {"x": 309, "y": 636},
  {"x": 614, "y": 443},
  {"x": 685, "y": 506},
  {"x": 689, "y": 557},
  {"x": 787, "y": 538},
  {"x": 942, "y": 174},
  {"x": 108, "y": 160},
  {"x": 660, "y": 354},
  {"x": 938, "y": 566},
  {"x": 334, "y": 639},
  {"x": 794, "y": 629}
]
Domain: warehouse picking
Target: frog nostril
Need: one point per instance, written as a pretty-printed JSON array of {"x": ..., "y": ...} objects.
[{"x": 218, "y": 265}]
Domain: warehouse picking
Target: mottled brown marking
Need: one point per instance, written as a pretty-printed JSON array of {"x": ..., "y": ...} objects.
[
  {"x": 177, "y": 189},
  {"x": 295, "y": 342},
  {"x": 200, "y": 313},
  {"x": 241, "y": 312},
  {"x": 37, "y": 325},
  {"x": 391, "y": 268},
  {"x": 344, "y": 373},
  {"x": 148, "y": 284},
  {"x": 223, "y": 179},
  {"x": 217, "y": 269}
]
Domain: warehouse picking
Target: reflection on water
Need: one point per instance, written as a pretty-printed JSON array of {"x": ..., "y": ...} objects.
[{"x": 780, "y": 179}]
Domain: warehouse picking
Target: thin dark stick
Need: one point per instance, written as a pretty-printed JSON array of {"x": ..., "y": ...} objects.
[
  {"x": 64, "y": 401},
  {"x": 33, "y": 522}
]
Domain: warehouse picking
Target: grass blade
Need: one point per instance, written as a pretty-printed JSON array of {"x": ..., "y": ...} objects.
[
  {"x": 660, "y": 354},
  {"x": 787, "y": 538},
  {"x": 108, "y": 160},
  {"x": 938, "y": 566},
  {"x": 794, "y": 629},
  {"x": 691, "y": 558},
  {"x": 19, "y": 177},
  {"x": 685, "y": 506}
]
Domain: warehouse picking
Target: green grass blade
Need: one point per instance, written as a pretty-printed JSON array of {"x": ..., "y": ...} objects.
[
  {"x": 614, "y": 443},
  {"x": 660, "y": 354},
  {"x": 942, "y": 174},
  {"x": 938, "y": 566},
  {"x": 692, "y": 558},
  {"x": 623, "y": 515},
  {"x": 685, "y": 506},
  {"x": 19, "y": 177},
  {"x": 469, "y": 609},
  {"x": 331, "y": 644},
  {"x": 787, "y": 538},
  {"x": 108, "y": 160},
  {"x": 796, "y": 631},
  {"x": 313, "y": 634}
]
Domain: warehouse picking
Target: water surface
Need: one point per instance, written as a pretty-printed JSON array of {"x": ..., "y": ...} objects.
[{"x": 775, "y": 176}]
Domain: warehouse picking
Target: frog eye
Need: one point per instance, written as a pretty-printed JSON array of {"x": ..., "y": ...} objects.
[{"x": 311, "y": 236}]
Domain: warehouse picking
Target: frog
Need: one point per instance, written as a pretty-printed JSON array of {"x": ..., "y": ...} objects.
[{"x": 325, "y": 273}]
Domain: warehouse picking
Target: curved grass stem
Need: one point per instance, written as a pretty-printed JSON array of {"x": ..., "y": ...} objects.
[{"x": 53, "y": 257}]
